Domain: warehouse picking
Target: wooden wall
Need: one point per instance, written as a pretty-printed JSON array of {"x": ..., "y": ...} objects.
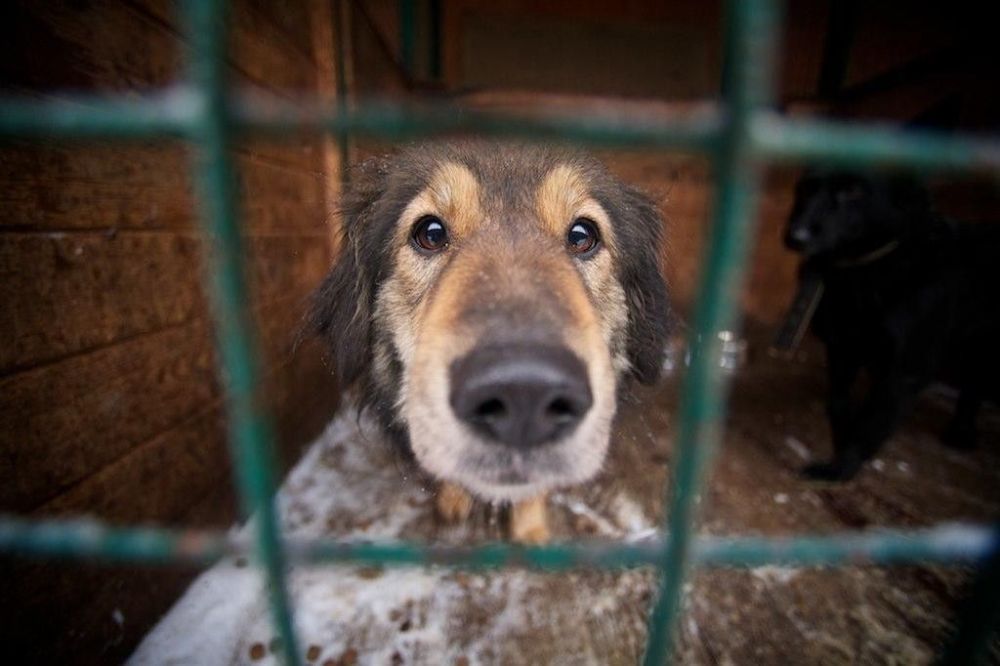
[
  {"x": 110, "y": 404},
  {"x": 904, "y": 61}
]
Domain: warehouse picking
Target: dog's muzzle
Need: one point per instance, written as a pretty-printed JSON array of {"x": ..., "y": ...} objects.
[{"x": 520, "y": 396}]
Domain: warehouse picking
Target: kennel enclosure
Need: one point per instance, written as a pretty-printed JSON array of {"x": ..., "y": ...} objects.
[{"x": 739, "y": 137}]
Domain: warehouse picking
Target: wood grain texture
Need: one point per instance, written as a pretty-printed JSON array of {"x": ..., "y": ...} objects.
[
  {"x": 110, "y": 401},
  {"x": 91, "y": 409},
  {"x": 103, "y": 45},
  {"x": 111, "y": 187},
  {"x": 67, "y": 293}
]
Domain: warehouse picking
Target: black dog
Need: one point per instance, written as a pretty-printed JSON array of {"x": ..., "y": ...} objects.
[{"x": 905, "y": 296}]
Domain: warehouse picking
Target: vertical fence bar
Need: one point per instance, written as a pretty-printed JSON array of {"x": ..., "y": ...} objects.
[
  {"x": 250, "y": 435},
  {"x": 751, "y": 31}
]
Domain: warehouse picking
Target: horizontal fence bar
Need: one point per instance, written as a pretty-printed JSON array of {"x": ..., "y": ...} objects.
[
  {"x": 177, "y": 112},
  {"x": 172, "y": 113},
  {"x": 697, "y": 131},
  {"x": 88, "y": 539},
  {"x": 777, "y": 138},
  {"x": 773, "y": 137}
]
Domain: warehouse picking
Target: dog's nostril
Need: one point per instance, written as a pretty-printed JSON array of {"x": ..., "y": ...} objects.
[
  {"x": 561, "y": 408},
  {"x": 491, "y": 409}
]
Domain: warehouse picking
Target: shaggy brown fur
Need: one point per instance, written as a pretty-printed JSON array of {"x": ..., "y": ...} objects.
[{"x": 488, "y": 302}]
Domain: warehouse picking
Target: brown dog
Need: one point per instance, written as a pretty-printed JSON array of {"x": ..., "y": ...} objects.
[{"x": 488, "y": 301}]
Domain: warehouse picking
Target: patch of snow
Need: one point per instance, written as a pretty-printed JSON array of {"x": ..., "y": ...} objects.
[
  {"x": 579, "y": 508},
  {"x": 642, "y": 535},
  {"x": 771, "y": 574},
  {"x": 798, "y": 447},
  {"x": 629, "y": 515},
  {"x": 203, "y": 626}
]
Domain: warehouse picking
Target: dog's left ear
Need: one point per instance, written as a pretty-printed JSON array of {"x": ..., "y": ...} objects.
[
  {"x": 341, "y": 310},
  {"x": 650, "y": 316}
]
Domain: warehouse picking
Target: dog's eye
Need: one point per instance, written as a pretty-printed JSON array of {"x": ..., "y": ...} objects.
[
  {"x": 583, "y": 239},
  {"x": 429, "y": 234}
]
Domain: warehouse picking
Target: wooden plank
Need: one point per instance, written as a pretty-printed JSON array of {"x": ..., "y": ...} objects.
[
  {"x": 110, "y": 45},
  {"x": 101, "y": 45},
  {"x": 154, "y": 482},
  {"x": 375, "y": 72},
  {"x": 61, "y": 187},
  {"x": 115, "y": 399},
  {"x": 66, "y": 293},
  {"x": 63, "y": 421},
  {"x": 458, "y": 14},
  {"x": 258, "y": 47},
  {"x": 292, "y": 20}
]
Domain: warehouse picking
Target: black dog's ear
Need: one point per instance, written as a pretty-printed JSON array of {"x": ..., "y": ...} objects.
[
  {"x": 341, "y": 308},
  {"x": 650, "y": 317}
]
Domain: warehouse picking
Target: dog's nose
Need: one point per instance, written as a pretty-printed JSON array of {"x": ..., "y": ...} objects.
[
  {"x": 520, "y": 396},
  {"x": 797, "y": 238}
]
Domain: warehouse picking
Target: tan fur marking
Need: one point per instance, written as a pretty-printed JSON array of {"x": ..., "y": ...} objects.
[
  {"x": 452, "y": 195},
  {"x": 563, "y": 196},
  {"x": 452, "y": 502},
  {"x": 529, "y": 521}
]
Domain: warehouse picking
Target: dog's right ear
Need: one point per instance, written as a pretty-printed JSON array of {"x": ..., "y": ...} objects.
[{"x": 341, "y": 308}]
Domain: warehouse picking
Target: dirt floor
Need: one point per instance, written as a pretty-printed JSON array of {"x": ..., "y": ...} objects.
[
  {"x": 349, "y": 485},
  {"x": 854, "y": 615}
]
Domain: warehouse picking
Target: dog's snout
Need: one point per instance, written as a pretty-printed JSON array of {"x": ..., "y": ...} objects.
[{"x": 520, "y": 396}]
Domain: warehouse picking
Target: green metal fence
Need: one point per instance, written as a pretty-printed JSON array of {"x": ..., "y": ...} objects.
[{"x": 739, "y": 137}]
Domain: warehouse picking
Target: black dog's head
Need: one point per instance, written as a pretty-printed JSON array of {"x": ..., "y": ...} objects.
[
  {"x": 489, "y": 299},
  {"x": 840, "y": 215}
]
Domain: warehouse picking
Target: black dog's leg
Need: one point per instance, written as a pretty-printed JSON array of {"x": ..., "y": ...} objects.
[
  {"x": 842, "y": 371},
  {"x": 890, "y": 398},
  {"x": 961, "y": 432}
]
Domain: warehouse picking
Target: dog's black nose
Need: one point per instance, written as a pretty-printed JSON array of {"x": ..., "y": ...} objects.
[
  {"x": 797, "y": 238},
  {"x": 518, "y": 395}
]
